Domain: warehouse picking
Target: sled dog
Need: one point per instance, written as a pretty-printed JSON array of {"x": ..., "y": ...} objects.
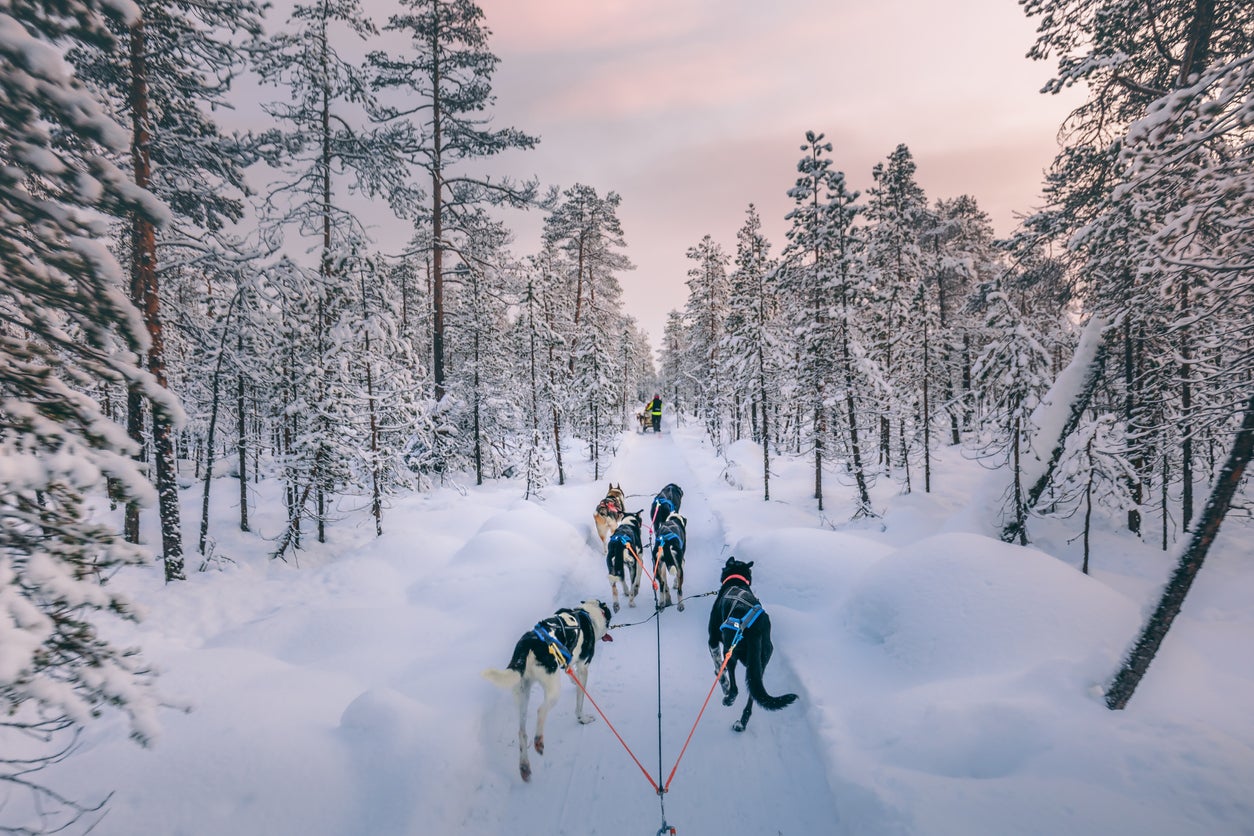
[
  {"x": 622, "y": 558},
  {"x": 609, "y": 511},
  {"x": 665, "y": 503},
  {"x": 736, "y": 605},
  {"x": 669, "y": 542},
  {"x": 536, "y": 659}
]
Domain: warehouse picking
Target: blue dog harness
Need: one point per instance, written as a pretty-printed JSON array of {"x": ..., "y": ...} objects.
[
  {"x": 739, "y": 625},
  {"x": 559, "y": 651}
]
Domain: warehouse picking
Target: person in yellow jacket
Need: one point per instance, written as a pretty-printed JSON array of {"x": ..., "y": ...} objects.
[{"x": 655, "y": 412}]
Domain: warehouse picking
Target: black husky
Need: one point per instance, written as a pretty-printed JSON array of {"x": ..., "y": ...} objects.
[
  {"x": 737, "y": 608},
  {"x": 622, "y": 558},
  {"x": 666, "y": 502},
  {"x": 669, "y": 541}
]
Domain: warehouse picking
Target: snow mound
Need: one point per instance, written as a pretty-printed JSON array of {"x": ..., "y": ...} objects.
[{"x": 961, "y": 604}]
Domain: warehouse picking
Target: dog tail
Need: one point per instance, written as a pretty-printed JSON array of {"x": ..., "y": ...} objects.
[
  {"x": 757, "y": 689},
  {"x": 502, "y": 679}
]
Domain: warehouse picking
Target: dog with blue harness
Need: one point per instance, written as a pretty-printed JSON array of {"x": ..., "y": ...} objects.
[
  {"x": 669, "y": 542},
  {"x": 666, "y": 502},
  {"x": 740, "y": 627},
  {"x": 622, "y": 558},
  {"x": 565, "y": 640}
]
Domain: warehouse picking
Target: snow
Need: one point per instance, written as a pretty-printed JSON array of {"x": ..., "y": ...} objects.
[{"x": 948, "y": 683}]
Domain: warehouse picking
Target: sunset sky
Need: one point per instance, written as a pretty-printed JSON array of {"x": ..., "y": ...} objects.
[{"x": 692, "y": 109}]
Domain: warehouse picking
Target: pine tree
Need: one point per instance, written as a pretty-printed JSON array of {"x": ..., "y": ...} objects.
[
  {"x": 68, "y": 329},
  {"x": 897, "y": 211},
  {"x": 179, "y": 62},
  {"x": 750, "y": 342},
  {"x": 705, "y": 315},
  {"x": 434, "y": 107}
]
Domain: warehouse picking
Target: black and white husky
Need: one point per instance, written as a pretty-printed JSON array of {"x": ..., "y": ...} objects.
[
  {"x": 737, "y": 606},
  {"x": 666, "y": 502},
  {"x": 669, "y": 542},
  {"x": 622, "y": 558},
  {"x": 536, "y": 660}
]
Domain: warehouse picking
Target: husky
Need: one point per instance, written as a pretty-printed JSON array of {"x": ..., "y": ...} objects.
[
  {"x": 609, "y": 511},
  {"x": 737, "y": 605},
  {"x": 645, "y": 421},
  {"x": 536, "y": 659},
  {"x": 622, "y": 558},
  {"x": 666, "y": 502},
  {"x": 669, "y": 543}
]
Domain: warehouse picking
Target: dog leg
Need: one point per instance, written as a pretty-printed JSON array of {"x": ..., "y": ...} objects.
[
  {"x": 739, "y": 726},
  {"x": 614, "y": 589},
  {"x": 551, "y": 685},
  {"x": 522, "y": 696},
  {"x": 663, "y": 586},
  {"x": 679, "y": 584},
  {"x": 581, "y": 671},
  {"x": 730, "y": 691}
]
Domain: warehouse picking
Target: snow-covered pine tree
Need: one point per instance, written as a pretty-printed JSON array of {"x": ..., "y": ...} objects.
[
  {"x": 817, "y": 282},
  {"x": 705, "y": 315},
  {"x": 172, "y": 67},
  {"x": 584, "y": 238},
  {"x": 674, "y": 383},
  {"x": 750, "y": 340},
  {"x": 1010, "y": 376},
  {"x": 960, "y": 246},
  {"x": 897, "y": 211},
  {"x": 530, "y": 339},
  {"x": 433, "y": 103},
  {"x": 481, "y": 377},
  {"x": 68, "y": 328},
  {"x": 1130, "y": 194},
  {"x": 322, "y": 127}
]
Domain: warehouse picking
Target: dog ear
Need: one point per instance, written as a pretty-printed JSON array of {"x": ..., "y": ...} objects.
[{"x": 749, "y": 565}]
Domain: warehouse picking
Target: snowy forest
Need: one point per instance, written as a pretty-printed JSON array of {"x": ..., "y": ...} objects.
[{"x": 186, "y": 309}]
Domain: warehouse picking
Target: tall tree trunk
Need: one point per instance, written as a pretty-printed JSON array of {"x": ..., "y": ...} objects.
[
  {"x": 766, "y": 433},
  {"x": 437, "y": 219},
  {"x": 144, "y": 255},
  {"x": 1191, "y": 559},
  {"x": 241, "y": 437},
  {"x": 1186, "y": 414},
  {"x": 1130, "y": 381},
  {"x": 215, "y": 388},
  {"x": 927, "y": 414},
  {"x": 134, "y": 429}
]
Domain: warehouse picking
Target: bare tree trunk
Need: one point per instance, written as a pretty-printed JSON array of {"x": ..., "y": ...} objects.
[
  {"x": 1155, "y": 630},
  {"x": 241, "y": 437},
  {"x": 927, "y": 414},
  {"x": 1129, "y": 419},
  {"x": 215, "y": 389},
  {"x": 1186, "y": 415},
  {"x": 144, "y": 255}
]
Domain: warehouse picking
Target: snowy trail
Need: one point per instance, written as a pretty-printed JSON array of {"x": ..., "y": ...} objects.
[{"x": 768, "y": 780}]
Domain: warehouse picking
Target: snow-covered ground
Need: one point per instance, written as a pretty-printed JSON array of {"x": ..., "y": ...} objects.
[{"x": 948, "y": 683}]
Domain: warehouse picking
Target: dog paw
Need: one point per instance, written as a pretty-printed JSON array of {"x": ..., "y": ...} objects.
[
  {"x": 615, "y": 606},
  {"x": 585, "y": 719},
  {"x": 524, "y": 769},
  {"x": 738, "y": 726},
  {"x": 539, "y": 745},
  {"x": 680, "y": 606}
]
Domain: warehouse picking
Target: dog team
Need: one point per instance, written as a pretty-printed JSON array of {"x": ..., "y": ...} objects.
[{"x": 565, "y": 642}]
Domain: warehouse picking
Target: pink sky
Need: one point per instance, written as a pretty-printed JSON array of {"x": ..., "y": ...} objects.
[{"x": 692, "y": 109}]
